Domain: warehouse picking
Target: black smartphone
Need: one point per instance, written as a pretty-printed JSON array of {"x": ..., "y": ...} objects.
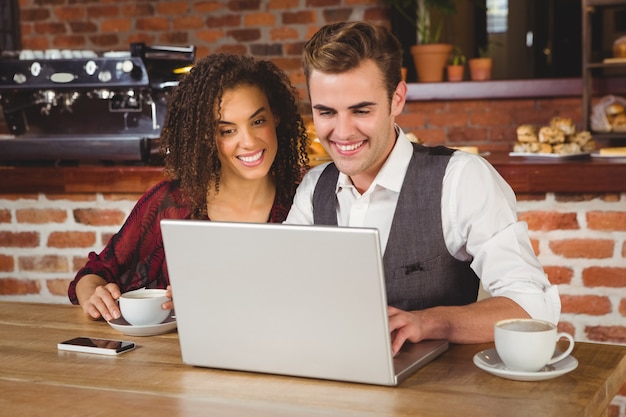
[{"x": 96, "y": 345}]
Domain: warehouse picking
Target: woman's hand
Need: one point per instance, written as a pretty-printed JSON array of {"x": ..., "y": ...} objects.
[
  {"x": 168, "y": 305},
  {"x": 98, "y": 298}
]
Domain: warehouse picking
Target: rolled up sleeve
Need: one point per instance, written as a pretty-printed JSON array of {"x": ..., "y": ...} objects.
[{"x": 481, "y": 226}]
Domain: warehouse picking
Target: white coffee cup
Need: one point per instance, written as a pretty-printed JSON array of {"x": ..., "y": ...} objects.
[
  {"x": 527, "y": 345},
  {"x": 143, "y": 307}
]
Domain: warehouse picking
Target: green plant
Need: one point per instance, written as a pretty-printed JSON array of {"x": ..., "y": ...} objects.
[
  {"x": 417, "y": 12},
  {"x": 485, "y": 50},
  {"x": 458, "y": 58}
]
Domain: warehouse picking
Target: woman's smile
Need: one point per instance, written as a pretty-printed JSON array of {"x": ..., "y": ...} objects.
[{"x": 252, "y": 159}]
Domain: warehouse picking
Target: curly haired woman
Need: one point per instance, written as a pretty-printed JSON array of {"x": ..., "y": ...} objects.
[{"x": 235, "y": 149}]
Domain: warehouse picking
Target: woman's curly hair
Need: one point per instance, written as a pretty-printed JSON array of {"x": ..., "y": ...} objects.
[{"x": 188, "y": 137}]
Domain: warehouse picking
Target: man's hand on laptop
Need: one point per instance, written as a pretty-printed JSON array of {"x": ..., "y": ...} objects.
[{"x": 404, "y": 325}]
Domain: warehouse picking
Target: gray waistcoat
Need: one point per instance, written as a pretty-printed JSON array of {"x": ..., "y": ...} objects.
[{"x": 419, "y": 270}]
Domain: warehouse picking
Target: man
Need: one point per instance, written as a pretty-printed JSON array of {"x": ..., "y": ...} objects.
[{"x": 445, "y": 218}]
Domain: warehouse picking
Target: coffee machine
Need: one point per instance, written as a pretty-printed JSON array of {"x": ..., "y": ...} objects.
[{"x": 76, "y": 105}]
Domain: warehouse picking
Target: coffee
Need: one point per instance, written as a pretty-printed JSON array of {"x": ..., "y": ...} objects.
[
  {"x": 527, "y": 345},
  {"x": 143, "y": 307},
  {"x": 527, "y": 326}
]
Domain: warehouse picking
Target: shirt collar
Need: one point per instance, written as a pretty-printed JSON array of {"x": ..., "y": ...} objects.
[{"x": 391, "y": 175}]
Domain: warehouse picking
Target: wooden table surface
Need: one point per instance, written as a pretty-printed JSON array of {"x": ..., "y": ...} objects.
[{"x": 37, "y": 379}]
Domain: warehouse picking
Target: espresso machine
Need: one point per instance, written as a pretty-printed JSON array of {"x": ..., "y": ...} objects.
[{"x": 75, "y": 105}]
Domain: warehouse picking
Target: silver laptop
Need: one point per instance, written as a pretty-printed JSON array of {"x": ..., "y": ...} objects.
[{"x": 305, "y": 301}]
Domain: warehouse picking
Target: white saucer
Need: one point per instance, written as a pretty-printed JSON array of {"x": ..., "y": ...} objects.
[
  {"x": 123, "y": 326},
  {"x": 489, "y": 361}
]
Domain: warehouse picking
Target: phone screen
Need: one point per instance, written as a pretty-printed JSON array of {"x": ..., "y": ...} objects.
[{"x": 96, "y": 345}]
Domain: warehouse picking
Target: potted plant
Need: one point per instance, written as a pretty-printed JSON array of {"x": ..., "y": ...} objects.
[
  {"x": 481, "y": 67},
  {"x": 456, "y": 68},
  {"x": 430, "y": 56}
]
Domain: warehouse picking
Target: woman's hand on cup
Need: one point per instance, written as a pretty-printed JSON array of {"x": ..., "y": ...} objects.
[
  {"x": 168, "y": 305},
  {"x": 103, "y": 303}
]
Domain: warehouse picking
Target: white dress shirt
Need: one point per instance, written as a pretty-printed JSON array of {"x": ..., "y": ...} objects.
[{"x": 478, "y": 211}]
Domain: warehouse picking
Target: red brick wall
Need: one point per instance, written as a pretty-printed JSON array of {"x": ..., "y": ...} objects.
[
  {"x": 489, "y": 124},
  {"x": 272, "y": 29}
]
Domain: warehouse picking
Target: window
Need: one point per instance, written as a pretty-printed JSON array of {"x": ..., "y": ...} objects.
[{"x": 497, "y": 15}]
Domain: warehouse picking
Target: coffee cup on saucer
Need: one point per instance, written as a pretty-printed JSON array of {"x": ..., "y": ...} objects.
[
  {"x": 528, "y": 345},
  {"x": 143, "y": 307}
]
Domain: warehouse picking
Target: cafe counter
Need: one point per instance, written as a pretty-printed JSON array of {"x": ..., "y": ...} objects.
[{"x": 525, "y": 175}]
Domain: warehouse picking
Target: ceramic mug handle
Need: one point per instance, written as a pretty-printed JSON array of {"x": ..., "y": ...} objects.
[{"x": 563, "y": 355}]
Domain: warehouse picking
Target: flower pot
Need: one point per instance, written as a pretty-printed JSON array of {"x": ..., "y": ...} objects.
[
  {"x": 455, "y": 72},
  {"x": 430, "y": 61},
  {"x": 480, "y": 68}
]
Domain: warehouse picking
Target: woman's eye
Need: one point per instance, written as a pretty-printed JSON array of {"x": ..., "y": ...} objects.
[
  {"x": 226, "y": 132},
  {"x": 258, "y": 122}
]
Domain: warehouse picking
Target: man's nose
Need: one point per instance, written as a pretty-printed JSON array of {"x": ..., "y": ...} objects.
[{"x": 344, "y": 128}]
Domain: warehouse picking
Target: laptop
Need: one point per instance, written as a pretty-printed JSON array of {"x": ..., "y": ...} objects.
[{"x": 306, "y": 301}]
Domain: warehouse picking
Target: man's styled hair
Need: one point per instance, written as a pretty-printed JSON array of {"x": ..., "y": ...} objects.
[{"x": 340, "y": 47}]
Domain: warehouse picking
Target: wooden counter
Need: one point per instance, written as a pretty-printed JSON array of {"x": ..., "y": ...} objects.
[
  {"x": 36, "y": 379},
  {"x": 525, "y": 175}
]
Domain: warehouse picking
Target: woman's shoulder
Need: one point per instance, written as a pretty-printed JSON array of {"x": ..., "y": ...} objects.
[{"x": 167, "y": 192}]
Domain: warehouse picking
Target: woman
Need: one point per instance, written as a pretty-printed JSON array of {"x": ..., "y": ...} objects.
[{"x": 235, "y": 148}]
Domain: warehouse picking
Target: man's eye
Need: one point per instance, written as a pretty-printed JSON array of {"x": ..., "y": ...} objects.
[{"x": 361, "y": 111}]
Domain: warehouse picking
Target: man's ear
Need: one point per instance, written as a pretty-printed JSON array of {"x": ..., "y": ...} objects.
[{"x": 399, "y": 98}]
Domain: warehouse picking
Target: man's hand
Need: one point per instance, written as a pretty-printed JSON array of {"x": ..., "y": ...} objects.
[{"x": 404, "y": 325}]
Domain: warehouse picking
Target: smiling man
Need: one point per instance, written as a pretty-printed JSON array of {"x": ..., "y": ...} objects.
[{"x": 446, "y": 218}]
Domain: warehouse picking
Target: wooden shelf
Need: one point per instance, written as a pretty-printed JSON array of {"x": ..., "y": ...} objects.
[
  {"x": 590, "y": 74},
  {"x": 594, "y": 3}
]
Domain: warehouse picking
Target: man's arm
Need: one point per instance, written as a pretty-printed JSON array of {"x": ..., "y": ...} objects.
[{"x": 472, "y": 323}]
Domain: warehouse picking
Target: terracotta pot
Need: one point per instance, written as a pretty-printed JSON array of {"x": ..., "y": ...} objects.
[
  {"x": 455, "y": 72},
  {"x": 480, "y": 68},
  {"x": 430, "y": 61}
]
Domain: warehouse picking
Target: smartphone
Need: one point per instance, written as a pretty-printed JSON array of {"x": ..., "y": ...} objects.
[{"x": 96, "y": 345}]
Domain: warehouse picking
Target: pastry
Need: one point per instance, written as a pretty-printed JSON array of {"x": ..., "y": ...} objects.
[
  {"x": 566, "y": 148},
  {"x": 527, "y": 133},
  {"x": 616, "y": 151},
  {"x": 619, "y": 122},
  {"x": 551, "y": 135},
  {"x": 565, "y": 124},
  {"x": 581, "y": 137},
  {"x": 614, "y": 109},
  {"x": 589, "y": 146}
]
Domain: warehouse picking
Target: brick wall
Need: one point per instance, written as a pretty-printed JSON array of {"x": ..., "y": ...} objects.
[
  {"x": 488, "y": 124},
  {"x": 271, "y": 29},
  {"x": 581, "y": 242}
]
